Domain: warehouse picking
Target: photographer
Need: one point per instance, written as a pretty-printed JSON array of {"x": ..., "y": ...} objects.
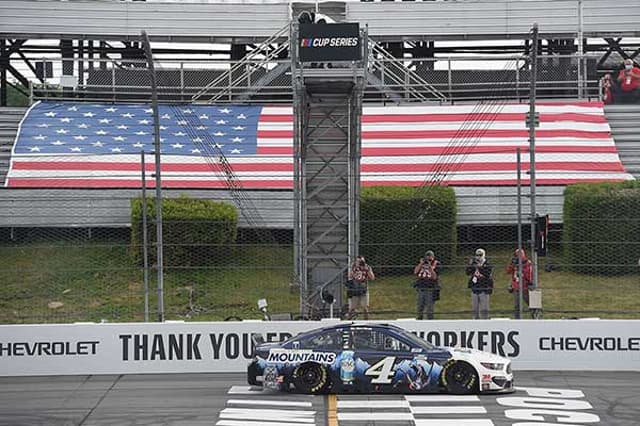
[
  {"x": 358, "y": 287},
  {"x": 626, "y": 87},
  {"x": 427, "y": 284},
  {"x": 527, "y": 278},
  {"x": 481, "y": 284}
]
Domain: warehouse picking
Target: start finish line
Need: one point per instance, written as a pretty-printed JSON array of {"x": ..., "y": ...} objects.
[{"x": 201, "y": 347}]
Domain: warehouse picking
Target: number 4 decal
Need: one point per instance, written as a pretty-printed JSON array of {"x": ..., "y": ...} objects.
[{"x": 382, "y": 370}]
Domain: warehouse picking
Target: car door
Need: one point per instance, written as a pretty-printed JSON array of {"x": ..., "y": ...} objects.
[{"x": 378, "y": 354}]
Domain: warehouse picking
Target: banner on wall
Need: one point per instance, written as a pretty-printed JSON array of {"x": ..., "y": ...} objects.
[{"x": 139, "y": 348}]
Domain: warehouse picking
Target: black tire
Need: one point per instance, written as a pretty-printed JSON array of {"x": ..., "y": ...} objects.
[
  {"x": 460, "y": 378},
  {"x": 253, "y": 371},
  {"x": 311, "y": 377}
]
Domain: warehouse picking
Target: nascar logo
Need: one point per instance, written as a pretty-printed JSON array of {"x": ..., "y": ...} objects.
[
  {"x": 329, "y": 42},
  {"x": 285, "y": 355}
]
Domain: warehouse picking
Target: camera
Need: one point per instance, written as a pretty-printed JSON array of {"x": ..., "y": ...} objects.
[
  {"x": 514, "y": 260},
  {"x": 361, "y": 262}
]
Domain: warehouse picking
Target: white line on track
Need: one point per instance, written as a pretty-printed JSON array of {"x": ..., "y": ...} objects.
[
  {"x": 377, "y": 417},
  {"x": 442, "y": 398},
  {"x": 250, "y": 423},
  {"x": 448, "y": 409},
  {"x": 367, "y": 404},
  {"x": 244, "y": 390},
  {"x": 453, "y": 422},
  {"x": 270, "y": 402}
]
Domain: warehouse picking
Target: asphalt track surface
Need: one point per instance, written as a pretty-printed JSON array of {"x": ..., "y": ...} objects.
[{"x": 597, "y": 398}]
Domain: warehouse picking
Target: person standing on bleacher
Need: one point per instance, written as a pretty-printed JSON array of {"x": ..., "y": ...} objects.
[{"x": 626, "y": 87}]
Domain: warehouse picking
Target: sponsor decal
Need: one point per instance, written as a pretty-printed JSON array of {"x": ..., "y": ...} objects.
[
  {"x": 300, "y": 356},
  {"x": 497, "y": 342},
  {"x": 43, "y": 348},
  {"x": 329, "y": 42},
  {"x": 609, "y": 344}
]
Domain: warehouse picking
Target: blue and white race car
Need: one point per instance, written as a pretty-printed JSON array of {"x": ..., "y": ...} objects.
[{"x": 374, "y": 358}]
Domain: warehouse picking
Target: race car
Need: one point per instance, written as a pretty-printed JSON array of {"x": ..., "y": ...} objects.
[{"x": 374, "y": 358}]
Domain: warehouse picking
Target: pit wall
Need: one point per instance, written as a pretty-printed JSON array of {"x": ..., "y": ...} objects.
[{"x": 199, "y": 347}]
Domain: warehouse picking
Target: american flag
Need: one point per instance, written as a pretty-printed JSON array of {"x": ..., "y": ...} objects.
[{"x": 82, "y": 145}]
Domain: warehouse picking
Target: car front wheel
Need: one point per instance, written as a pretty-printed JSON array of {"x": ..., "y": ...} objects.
[
  {"x": 459, "y": 378},
  {"x": 311, "y": 377}
]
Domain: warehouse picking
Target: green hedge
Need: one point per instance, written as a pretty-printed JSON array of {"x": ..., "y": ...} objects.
[
  {"x": 398, "y": 224},
  {"x": 195, "y": 231},
  {"x": 602, "y": 227}
]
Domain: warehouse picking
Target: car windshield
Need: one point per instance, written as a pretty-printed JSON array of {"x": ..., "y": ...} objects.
[{"x": 417, "y": 341}]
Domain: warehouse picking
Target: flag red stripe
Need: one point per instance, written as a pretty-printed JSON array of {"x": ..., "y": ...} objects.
[
  {"x": 487, "y": 182},
  {"x": 276, "y": 118},
  {"x": 477, "y": 118},
  {"x": 481, "y": 133},
  {"x": 453, "y": 133},
  {"x": 440, "y": 150},
  {"x": 489, "y": 167},
  {"x": 268, "y": 184},
  {"x": 274, "y": 150},
  {"x": 589, "y": 104},
  {"x": 135, "y": 183},
  {"x": 288, "y": 167}
]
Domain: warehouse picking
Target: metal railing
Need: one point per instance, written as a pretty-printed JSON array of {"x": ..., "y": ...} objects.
[{"x": 447, "y": 79}]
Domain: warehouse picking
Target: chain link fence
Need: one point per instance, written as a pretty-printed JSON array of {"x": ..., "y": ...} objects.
[
  {"x": 89, "y": 273},
  {"x": 69, "y": 255}
]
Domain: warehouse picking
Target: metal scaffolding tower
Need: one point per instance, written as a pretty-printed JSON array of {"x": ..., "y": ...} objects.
[{"x": 327, "y": 111}]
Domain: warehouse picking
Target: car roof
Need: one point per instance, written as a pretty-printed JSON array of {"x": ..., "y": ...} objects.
[{"x": 355, "y": 324}]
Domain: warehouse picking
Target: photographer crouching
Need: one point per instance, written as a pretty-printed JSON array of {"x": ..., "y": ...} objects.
[
  {"x": 481, "y": 284},
  {"x": 358, "y": 287}
]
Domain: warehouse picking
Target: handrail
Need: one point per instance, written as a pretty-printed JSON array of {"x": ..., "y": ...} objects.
[
  {"x": 261, "y": 50},
  {"x": 255, "y": 65},
  {"x": 390, "y": 59}
]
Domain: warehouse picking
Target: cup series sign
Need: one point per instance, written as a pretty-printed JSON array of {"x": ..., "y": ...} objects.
[{"x": 329, "y": 42}]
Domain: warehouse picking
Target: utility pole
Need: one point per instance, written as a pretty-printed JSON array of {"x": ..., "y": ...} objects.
[
  {"x": 156, "y": 144},
  {"x": 532, "y": 122},
  {"x": 519, "y": 188}
]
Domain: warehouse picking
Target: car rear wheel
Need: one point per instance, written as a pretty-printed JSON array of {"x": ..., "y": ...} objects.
[
  {"x": 311, "y": 377},
  {"x": 460, "y": 378}
]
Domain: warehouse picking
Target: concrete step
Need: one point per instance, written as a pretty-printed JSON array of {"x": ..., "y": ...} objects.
[
  {"x": 626, "y": 137},
  {"x": 621, "y": 108},
  {"x": 630, "y": 122}
]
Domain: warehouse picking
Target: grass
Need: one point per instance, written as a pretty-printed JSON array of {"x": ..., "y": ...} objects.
[{"x": 91, "y": 281}]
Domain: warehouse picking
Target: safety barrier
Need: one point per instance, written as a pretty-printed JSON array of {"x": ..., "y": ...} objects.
[{"x": 179, "y": 347}]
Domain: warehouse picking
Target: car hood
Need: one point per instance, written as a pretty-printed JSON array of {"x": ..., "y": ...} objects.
[
  {"x": 476, "y": 355},
  {"x": 263, "y": 349}
]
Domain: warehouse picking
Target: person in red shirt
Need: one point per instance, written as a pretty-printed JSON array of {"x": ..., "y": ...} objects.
[
  {"x": 627, "y": 85},
  {"x": 527, "y": 278}
]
